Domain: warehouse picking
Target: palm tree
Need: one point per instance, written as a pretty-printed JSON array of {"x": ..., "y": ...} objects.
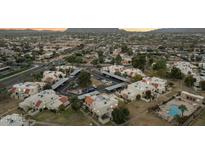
[{"x": 183, "y": 108}]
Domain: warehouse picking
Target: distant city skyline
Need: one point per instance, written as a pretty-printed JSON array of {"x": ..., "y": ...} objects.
[{"x": 62, "y": 29}]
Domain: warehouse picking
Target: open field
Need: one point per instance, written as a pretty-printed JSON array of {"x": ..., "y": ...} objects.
[
  {"x": 8, "y": 106},
  {"x": 140, "y": 117},
  {"x": 64, "y": 118}
]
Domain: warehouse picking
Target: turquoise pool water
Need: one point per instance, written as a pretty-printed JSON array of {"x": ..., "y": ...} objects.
[{"x": 174, "y": 110}]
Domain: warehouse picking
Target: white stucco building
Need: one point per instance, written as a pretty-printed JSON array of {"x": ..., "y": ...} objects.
[
  {"x": 13, "y": 120},
  {"x": 135, "y": 89},
  {"x": 52, "y": 76},
  {"x": 131, "y": 72},
  {"x": 26, "y": 89},
  {"x": 45, "y": 99},
  {"x": 102, "y": 106},
  {"x": 185, "y": 67},
  {"x": 159, "y": 84}
]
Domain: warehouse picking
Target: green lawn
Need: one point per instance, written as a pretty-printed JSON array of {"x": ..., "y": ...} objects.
[{"x": 67, "y": 118}]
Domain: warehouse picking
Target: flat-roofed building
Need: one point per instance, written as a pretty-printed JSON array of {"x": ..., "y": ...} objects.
[
  {"x": 101, "y": 106},
  {"x": 13, "y": 120},
  {"x": 26, "y": 89},
  {"x": 46, "y": 99},
  {"x": 52, "y": 76}
]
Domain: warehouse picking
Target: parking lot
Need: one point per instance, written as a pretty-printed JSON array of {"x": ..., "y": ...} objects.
[{"x": 99, "y": 83}]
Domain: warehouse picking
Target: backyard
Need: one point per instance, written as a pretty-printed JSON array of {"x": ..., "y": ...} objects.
[
  {"x": 8, "y": 106},
  {"x": 140, "y": 117},
  {"x": 68, "y": 117}
]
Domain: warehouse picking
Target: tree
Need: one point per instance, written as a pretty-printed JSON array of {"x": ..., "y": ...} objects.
[
  {"x": 118, "y": 73},
  {"x": 148, "y": 94},
  {"x": 100, "y": 57},
  {"x": 202, "y": 85},
  {"x": 38, "y": 76},
  {"x": 74, "y": 58},
  {"x": 124, "y": 47},
  {"x": 176, "y": 73},
  {"x": 137, "y": 77},
  {"x": 160, "y": 64},
  {"x": 189, "y": 81},
  {"x": 118, "y": 59},
  {"x": 151, "y": 60},
  {"x": 179, "y": 119},
  {"x": 94, "y": 61},
  {"x": 3, "y": 93},
  {"x": 183, "y": 108},
  {"x": 120, "y": 115},
  {"x": 139, "y": 61},
  {"x": 84, "y": 79},
  {"x": 47, "y": 86},
  {"x": 75, "y": 103},
  {"x": 138, "y": 97}
]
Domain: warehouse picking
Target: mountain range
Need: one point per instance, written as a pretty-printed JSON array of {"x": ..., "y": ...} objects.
[
  {"x": 94, "y": 30},
  {"x": 104, "y": 30},
  {"x": 179, "y": 30}
]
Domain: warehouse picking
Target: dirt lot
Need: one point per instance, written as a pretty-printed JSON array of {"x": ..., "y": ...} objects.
[
  {"x": 8, "y": 106},
  {"x": 96, "y": 82},
  {"x": 65, "y": 118},
  {"x": 200, "y": 121},
  {"x": 140, "y": 117}
]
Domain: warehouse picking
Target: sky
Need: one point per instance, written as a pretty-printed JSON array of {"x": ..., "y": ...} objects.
[{"x": 62, "y": 29}]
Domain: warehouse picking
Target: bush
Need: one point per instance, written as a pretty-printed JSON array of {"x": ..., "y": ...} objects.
[
  {"x": 75, "y": 103},
  {"x": 138, "y": 97},
  {"x": 120, "y": 115}
]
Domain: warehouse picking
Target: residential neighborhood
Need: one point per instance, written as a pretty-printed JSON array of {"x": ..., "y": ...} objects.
[{"x": 107, "y": 78}]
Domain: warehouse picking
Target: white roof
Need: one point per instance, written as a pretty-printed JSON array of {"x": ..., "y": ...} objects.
[
  {"x": 13, "y": 120},
  {"x": 102, "y": 103},
  {"x": 193, "y": 95},
  {"x": 29, "y": 85},
  {"x": 155, "y": 80},
  {"x": 45, "y": 99}
]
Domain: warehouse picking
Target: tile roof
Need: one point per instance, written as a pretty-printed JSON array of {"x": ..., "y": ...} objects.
[
  {"x": 63, "y": 99},
  {"x": 89, "y": 100}
]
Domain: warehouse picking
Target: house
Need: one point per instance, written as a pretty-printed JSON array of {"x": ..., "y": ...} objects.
[
  {"x": 46, "y": 99},
  {"x": 113, "y": 69},
  {"x": 159, "y": 84},
  {"x": 126, "y": 60},
  {"x": 185, "y": 67},
  {"x": 131, "y": 72},
  {"x": 65, "y": 68},
  {"x": 26, "y": 89},
  {"x": 101, "y": 106},
  {"x": 13, "y": 120},
  {"x": 192, "y": 98},
  {"x": 137, "y": 89},
  {"x": 52, "y": 76}
]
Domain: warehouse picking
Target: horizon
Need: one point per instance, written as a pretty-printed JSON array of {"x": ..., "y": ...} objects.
[{"x": 63, "y": 29}]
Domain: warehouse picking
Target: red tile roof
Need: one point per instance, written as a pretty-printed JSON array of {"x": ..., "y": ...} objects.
[
  {"x": 13, "y": 90},
  {"x": 27, "y": 91},
  {"x": 38, "y": 103},
  {"x": 89, "y": 100},
  {"x": 63, "y": 99}
]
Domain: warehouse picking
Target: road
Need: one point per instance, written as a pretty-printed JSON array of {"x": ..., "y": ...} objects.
[{"x": 24, "y": 76}]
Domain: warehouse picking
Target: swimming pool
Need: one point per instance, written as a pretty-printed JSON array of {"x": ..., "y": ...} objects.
[{"x": 174, "y": 110}]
